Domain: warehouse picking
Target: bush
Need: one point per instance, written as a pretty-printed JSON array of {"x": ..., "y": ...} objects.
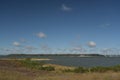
[
  {"x": 99, "y": 69},
  {"x": 116, "y": 68},
  {"x": 47, "y": 68},
  {"x": 36, "y": 65},
  {"x": 41, "y": 63},
  {"x": 67, "y": 70},
  {"x": 27, "y": 59},
  {"x": 29, "y": 64},
  {"x": 39, "y": 66},
  {"x": 81, "y": 70}
]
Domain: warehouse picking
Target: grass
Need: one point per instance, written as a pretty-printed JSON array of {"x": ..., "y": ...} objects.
[
  {"x": 84, "y": 76},
  {"x": 6, "y": 75},
  {"x": 31, "y": 70},
  {"x": 13, "y": 75}
]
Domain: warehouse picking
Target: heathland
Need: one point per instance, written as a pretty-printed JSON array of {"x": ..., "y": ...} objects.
[{"x": 28, "y": 69}]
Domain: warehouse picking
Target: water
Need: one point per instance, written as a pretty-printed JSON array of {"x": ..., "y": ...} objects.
[
  {"x": 86, "y": 61},
  {"x": 81, "y": 61}
]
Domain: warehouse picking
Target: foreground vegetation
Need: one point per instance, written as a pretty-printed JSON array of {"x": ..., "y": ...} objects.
[
  {"x": 42, "y": 66},
  {"x": 32, "y": 70}
]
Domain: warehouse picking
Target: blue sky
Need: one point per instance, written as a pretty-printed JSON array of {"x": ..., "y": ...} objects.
[{"x": 53, "y": 25}]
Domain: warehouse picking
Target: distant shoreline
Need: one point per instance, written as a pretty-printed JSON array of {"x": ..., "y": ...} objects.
[
  {"x": 75, "y": 55},
  {"x": 32, "y": 59}
]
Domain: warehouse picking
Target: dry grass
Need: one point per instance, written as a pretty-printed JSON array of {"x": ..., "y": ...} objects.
[
  {"x": 59, "y": 68},
  {"x": 10, "y": 71},
  {"x": 85, "y": 76},
  {"x": 13, "y": 75}
]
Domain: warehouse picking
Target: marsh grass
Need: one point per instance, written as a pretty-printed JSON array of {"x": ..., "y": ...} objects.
[
  {"x": 99, "y": 69},
  {"x": 54, "y": 72},
  {"x": 83, "y": 76},
  {"x": 41, "y": 65}
]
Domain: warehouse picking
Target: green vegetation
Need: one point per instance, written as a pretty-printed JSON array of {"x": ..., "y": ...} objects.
[
  {"x": 39, "y": 65},
  {"x": 47, "y": 68},
  {"x": 80, "y": 70},
  {"x": 32, "y": 70},
  {"x": 36, "y": 65},
  {"x": 99, "y": 69}
]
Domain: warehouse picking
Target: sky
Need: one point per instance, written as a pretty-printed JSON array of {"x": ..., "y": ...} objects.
[{"x": 59, "y": 26}]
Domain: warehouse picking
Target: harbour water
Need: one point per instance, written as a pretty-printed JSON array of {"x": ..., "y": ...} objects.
[
  {"x": 80, "y": 61},
  {"x": 85, "y": 61}
]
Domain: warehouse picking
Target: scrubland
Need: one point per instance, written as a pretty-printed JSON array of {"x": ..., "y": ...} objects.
[{"x": 30, "y": 70}]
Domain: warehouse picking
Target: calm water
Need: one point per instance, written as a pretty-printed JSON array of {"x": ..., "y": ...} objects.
[
  {"x": 80, "y": 61},
  {"x": 87, "y": 62}
]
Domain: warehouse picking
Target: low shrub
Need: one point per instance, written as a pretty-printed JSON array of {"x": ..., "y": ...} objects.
[
  {"x": 30, "y": 64},
  {"x": 36, "y": 65},
  {"x": 115, "y": 68},
  {"x": 67, "y": 70},
  {"x": 47, "y": 68},
  {"x": 80, "y": 70},
  {"x": 99, "y": 69}
]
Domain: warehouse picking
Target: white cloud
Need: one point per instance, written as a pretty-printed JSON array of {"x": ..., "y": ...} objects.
[
  {"x": 17, "y": 44},
  {"x": 91, "y": 44},
  {"x": 41, "y": 35},
  {"x": 66, "y": 8}
]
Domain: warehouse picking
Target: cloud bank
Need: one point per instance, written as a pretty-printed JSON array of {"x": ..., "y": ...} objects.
[
  {"x": 41, "y": 35},
  {"x": 17, "y": 44},
  {"x": 91, "y": 44}
]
